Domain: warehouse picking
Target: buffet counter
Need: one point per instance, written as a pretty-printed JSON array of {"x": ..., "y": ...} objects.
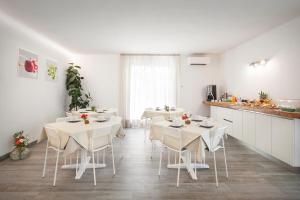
[{"x": 270, "y": 111}]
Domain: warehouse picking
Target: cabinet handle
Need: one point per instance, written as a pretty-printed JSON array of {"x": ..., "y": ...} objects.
[{"x": 228, "y": 120}]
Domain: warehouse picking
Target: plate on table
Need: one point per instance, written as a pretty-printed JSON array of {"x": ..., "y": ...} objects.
[
  {"x": 176, "y": 126},
  {"x": 206, "y": 124},
  {"x": 74, "y": 121},
  {"x": 100, "y": 112},
  {"x": 196, "y": 120},
  {"x": 101, "y": 120},
  {"x": 89, "y": 110},
  {"x": 83, "y": 112}
]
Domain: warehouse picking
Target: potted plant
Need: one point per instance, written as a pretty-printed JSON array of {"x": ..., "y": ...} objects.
[
  {"x": 20, "y": 151},
  {"x": 79, "y": 99}
]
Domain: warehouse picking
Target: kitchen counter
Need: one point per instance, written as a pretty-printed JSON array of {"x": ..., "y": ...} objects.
[{"x": 276, "y": 112}]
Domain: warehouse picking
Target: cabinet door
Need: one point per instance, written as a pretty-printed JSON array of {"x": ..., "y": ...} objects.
[
  {"x": 282, "y": 139},
  {"x": 237, "y": 126},
  {"x": 214, "y": 112},
  {"x": 249, "y": 127},
  {"x": 263, "y": 132}
]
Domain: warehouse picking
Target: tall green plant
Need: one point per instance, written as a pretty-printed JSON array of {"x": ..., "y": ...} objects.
[{"x": 79, "y": 99}]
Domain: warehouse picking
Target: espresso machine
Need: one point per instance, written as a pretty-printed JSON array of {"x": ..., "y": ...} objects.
[{"x": 211, "y": 92}]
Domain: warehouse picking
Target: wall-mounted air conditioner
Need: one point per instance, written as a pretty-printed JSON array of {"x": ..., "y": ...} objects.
[{"x": 198, "y": 60}]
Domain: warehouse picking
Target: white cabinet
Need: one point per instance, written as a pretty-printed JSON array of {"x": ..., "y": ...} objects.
[
  {"x": 263, "y": 132},
  {"x": 237, "y": 126},
  {"x": 282, "y": 139},
  {"x": 249, "y": 127},
  {"x": 214, "y": 112},
  {"x": 277, "y": 136}
]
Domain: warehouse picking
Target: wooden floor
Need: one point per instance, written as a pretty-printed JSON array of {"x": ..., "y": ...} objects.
[{"x": 251, "y": 176}]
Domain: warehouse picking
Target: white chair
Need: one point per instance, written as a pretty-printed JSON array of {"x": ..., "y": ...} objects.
[
  {"x": 53, "y": 142},
  {"x": 172, "y": 134},
  {"x": 214, "y": 142},
  {"x": 99, "y": 140},
  {"x": 155, "y": 120}
]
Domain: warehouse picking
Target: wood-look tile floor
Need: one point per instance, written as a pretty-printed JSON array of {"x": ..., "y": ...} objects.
[{"x": 251, "y": 176}]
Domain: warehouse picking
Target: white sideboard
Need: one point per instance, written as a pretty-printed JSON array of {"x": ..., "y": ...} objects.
[{"x": 277, "y": 136}]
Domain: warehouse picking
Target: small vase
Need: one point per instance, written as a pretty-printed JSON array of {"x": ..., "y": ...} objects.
[
  {"x": 86, "y": 121},
  {"x": 187, "y": 122},
  {"x": 19, "y": 153}
]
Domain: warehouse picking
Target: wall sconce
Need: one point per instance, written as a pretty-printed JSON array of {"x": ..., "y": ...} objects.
[{"x": 259, "y": 63}]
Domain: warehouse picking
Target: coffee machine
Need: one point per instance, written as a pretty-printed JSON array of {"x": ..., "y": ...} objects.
[{"x": 211, "y": 92}]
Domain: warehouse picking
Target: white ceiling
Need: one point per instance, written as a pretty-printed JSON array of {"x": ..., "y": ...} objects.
[{"x": 151, "y": 26}]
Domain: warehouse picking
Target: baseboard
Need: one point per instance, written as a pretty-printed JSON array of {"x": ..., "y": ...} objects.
[{"x": 5, "y": 156}]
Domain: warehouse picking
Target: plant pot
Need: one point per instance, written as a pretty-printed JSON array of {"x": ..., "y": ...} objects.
[
  {"x": 187, "y": 122},
  {"x": 19, "y": 153},
  {"x": 86, "y": 121}
]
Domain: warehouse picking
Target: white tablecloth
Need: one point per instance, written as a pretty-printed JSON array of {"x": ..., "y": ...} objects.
[
  {"x": 191, "y": 135},
  {"x": 75, "y": 135},
  {"x": 167, "y": 114},
  {"x": 104, "y": 112}
]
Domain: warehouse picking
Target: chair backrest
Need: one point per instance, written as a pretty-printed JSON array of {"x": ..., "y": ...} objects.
[
  {"x": 172, "y": 137},
  {"x": 157, "y": 119},
  {"x": 216, "y": 136},
  {"x": 62, "y": 119},
  {"x": 53, "y": 137},
  {"x": 100, "y": 137}
]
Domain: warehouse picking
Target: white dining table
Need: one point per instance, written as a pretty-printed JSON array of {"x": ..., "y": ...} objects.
[
  {"x": 99, "y": 112},
  {"x": 74, "y": 137},
  {"x": 194, "y": 138},
  {"x": 149, "y": 113}
]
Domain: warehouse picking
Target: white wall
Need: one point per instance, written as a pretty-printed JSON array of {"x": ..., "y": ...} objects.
[
  {"x": 279, "y": 78},
  {"x": 194, "y": 81},
  {"x": 26, "y": 104},
  {"x": 101, "y": 78}
]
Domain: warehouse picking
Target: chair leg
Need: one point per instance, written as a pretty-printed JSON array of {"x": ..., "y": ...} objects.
[
  {"x": 216, "y": 173},
  {"x": 152, "y": 149},
  {"x": 113, "y": 158},
  {"x": 178, "y": 173},
  {"x": 45, "y": 161},
  {"x": 160, "y": 158},
  {"x": 55, "y": 172},
  {"x": 175, "y": 161},
  {"x": 145, "y": 130},
  {"x": 94, "y": 170},
  {"x": 195, "y": 163},
  {"x": 225, "y": 158},
  {"x": 168, "y": 156},
  {"x": 77, "y": 157},
  {"x": 103, "y": 156}
]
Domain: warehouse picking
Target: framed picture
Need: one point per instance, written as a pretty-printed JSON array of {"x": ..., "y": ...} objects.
[
  {"x": 28, "y": 64},
  {"x": 51, "y": 73}
]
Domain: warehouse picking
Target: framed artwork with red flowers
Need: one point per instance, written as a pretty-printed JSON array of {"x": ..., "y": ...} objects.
[{"x": 28, "y": 64}]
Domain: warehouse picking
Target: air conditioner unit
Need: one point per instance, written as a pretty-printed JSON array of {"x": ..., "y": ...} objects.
[{"x": 198, "y": 60}]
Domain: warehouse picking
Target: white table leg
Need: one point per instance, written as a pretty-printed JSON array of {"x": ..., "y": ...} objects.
[
  {"x": 83, "y": 165},
  {"x": 187, "y": 163}
]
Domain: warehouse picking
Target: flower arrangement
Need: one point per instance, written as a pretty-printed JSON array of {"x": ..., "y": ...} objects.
[
  {"x": 186, "y": 119},
  {"x": 20, "y": 142},
  {"x": 85, "y": 118}
]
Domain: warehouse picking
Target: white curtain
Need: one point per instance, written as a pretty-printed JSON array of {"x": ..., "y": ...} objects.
[{"x": 148, "y": 82}]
